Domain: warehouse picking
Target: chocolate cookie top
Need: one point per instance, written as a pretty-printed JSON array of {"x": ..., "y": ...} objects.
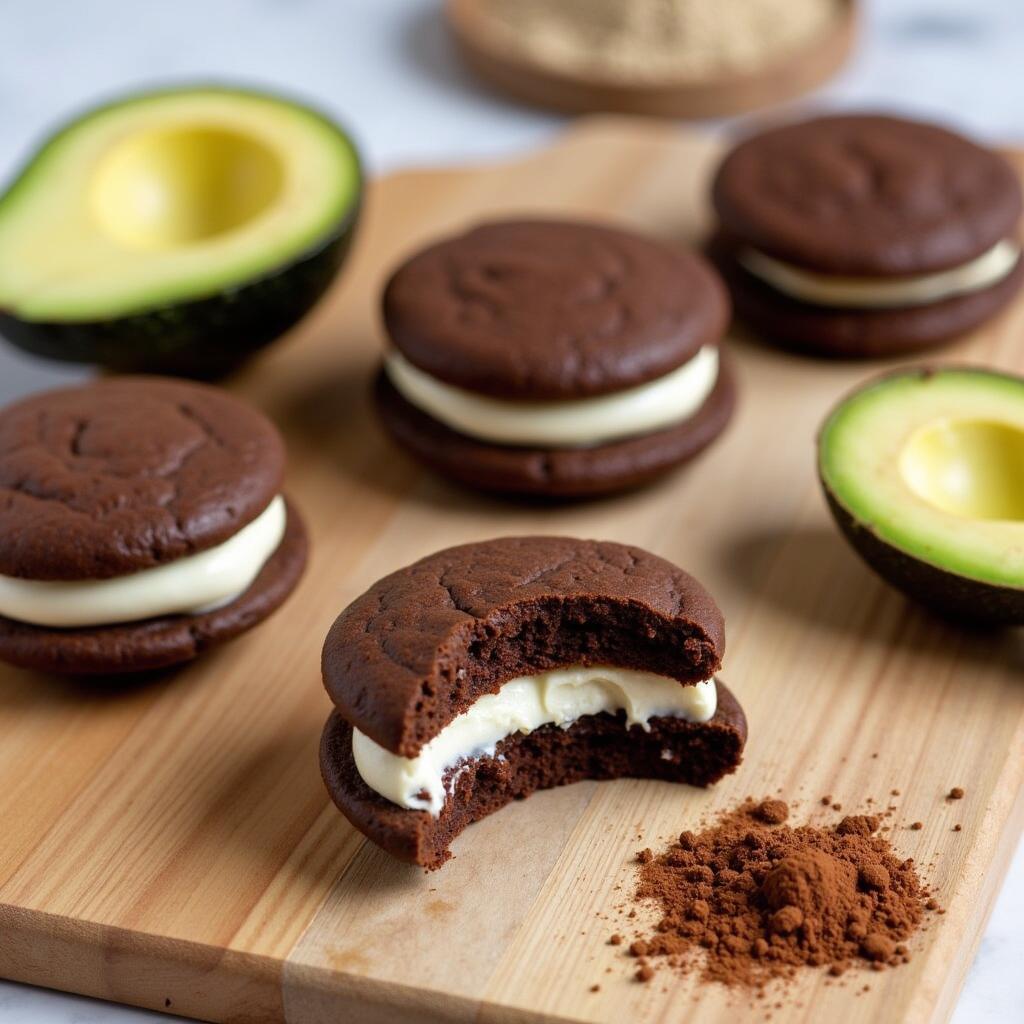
[
  {"x": 421, "y": 645},
  {"x": 867, "y": 195},
  {"x": 552, "y": 309},
  {"x": 128, "y": 473}
]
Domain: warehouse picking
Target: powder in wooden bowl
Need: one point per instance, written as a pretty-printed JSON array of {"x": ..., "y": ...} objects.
[
  {"x": 646, "y": 41},
  {"x": 762, "y": 898}
]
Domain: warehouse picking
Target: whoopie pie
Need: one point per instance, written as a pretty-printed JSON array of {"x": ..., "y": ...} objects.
[
  {"x": 554, "y": 358},
  {"x": 862, "y": 235},
  {"x": 485, "y": 672},
  {"x": 141, "y": 521}
]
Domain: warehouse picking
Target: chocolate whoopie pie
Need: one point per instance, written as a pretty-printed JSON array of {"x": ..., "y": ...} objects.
[
  {"x": 554, "y": 358},
  {"x": 862, "y": 235},
  {"x": 488, "y": 671},
  {"x": 141, "y": 521}
]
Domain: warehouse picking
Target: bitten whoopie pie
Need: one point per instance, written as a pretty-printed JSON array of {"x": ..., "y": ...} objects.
[
  {"x": 863, "y": 236},
  {"x": 488, "y": 671},
  {"x": 141, "y": 521},
  {"x": 554, "y": 358}
]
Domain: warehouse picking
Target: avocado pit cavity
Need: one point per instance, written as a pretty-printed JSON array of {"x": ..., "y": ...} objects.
[
  {"x": 166, "y": 187},
  {"x": 969, "y": 468}
]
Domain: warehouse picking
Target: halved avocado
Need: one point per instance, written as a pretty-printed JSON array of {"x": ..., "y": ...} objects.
[
  {"x": 177, "y": 231},
  {"x": 924, "y": 472}
]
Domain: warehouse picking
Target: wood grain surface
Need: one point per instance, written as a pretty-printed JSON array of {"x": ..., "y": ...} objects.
[{"x": 171, "y": 845}]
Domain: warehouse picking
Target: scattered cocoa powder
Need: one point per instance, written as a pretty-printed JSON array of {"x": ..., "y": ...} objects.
[
  {"x": 762, "y": 898},
  {"x": 858, "y": 825},
  {"x": 772, "y": 812}
]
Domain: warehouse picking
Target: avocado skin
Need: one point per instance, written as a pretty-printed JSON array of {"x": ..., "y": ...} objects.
[
  {"x": 955, "y": 597},
  {"x": 205, "y": 338}
]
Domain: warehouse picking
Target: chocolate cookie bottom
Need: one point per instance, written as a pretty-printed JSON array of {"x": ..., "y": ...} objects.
[
  {"x": 845, "y": 333},
  {"x": 558, "y": 472},
  {"x": 167, "y": 640},
  {"x": 594, "y": 747}
]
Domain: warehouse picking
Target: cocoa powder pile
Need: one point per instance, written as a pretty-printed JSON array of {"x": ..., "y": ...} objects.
[{"x": 763, "y": 899}]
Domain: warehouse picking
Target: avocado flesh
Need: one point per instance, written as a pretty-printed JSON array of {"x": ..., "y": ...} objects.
[{"x": 925, "y": 473}]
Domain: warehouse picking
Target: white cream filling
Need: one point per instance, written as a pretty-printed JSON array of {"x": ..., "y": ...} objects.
[
  {"x": 658, "y": 404},
  {"x": 884, "y": 293},
  {"x": 193, "y": 584},
  {"x": 558, "y": 697}
]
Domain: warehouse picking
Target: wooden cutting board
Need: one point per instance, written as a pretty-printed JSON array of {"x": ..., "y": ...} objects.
[{"x": 171, "y": 845}]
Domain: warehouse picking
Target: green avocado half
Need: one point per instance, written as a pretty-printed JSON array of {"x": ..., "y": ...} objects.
[
  {"x": 924, "y": 472},
  {"x": 177, "y": 231}
]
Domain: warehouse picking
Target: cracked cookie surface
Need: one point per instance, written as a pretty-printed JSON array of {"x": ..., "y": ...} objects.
[
  {"x": 126, "y": 474},
  {"x": 426, "y": 641},
  {"x": 547, "y": 310},
  {"x": 866, "y": 195}
]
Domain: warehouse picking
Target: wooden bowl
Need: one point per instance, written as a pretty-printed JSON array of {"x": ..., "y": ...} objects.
[{"x": 685, "y": 97}]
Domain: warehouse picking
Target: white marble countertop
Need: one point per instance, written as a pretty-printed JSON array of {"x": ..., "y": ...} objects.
[{"x": 385, "y": 67}]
